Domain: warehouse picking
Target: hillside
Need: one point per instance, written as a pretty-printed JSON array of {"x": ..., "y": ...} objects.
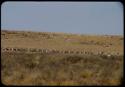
[
  {"x": 62, "y": 41},
  {"x": 35, "y": 67}
]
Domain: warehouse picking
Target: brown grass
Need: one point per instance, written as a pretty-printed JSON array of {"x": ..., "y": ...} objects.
[
  {"x": 61, "y": 69},
  {"x": 62, "y": 41},
  {"x": 57, "y": 69}
]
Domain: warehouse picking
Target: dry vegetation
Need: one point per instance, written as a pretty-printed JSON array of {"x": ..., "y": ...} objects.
[
  {"x": 57, "y": 69},
  {"x": 62, "y": 41},
  {"x": 61, "y": 69}
]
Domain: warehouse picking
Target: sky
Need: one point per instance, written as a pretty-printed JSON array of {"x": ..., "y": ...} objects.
[{"x": 69, "y": 17}]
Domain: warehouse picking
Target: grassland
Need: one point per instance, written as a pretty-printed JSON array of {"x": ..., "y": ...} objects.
[
  {"x": 62, "y": 41},
  {"x": 57, "y": 69},
  {"x": 20, "y": 68}
]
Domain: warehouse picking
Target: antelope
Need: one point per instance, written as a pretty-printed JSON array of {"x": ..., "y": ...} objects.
[
  {"x": 71, "y": 52},
  {"x": 77, "y": 52}
]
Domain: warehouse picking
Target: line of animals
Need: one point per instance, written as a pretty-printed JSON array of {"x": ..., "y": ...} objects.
[{"x": 35, "y": 50}]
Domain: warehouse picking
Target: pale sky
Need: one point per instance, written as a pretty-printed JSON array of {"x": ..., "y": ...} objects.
[{"x": 69, "y": 17}]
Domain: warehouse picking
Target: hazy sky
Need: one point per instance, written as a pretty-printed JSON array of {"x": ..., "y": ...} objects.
[{"x": 69, "y": 17}]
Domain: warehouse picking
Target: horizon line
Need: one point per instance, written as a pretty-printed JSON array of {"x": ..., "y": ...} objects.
[{"x": 63, "y": 32}]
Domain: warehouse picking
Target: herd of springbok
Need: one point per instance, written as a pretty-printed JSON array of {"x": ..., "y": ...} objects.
[{"x": 47, "y": 51}]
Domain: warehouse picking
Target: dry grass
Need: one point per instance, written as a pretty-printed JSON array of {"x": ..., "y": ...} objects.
[
  {"x": 62, "y": 41},
  {"x": 61, "y": 69},
  {"x": 57, "y": 69}
]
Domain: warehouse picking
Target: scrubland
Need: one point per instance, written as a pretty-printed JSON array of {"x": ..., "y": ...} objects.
[
  {"x": 58, "y": 69},
  {"x": 20, "y": 68},
  {"x": 62, "y": 41}
]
